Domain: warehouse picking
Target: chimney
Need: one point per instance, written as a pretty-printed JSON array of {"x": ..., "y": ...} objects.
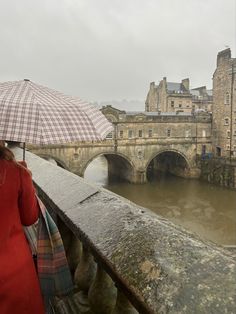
[
  {"x": 185, "y": 83},
  {"x": 223, "y": 56},
  {"x": 152, "y": 85}
]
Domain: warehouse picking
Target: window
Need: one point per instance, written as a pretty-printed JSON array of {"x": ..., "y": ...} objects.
[
  {"x": 109, "y": 135},
  {"x": 228, "y": 134},
  {"x": 187, "y": 133},
  {"x": 149, "y": 133},
  {"x": 168, "y": 132},
  {"x": 203, "y": 149},
  {"x": 130, "y": 134},
  {"x": 227, "y": 98},
  {"x": 121, "y": 134},
  {"x": 203, "y": 133},
  {"x": 227, "y": 147},
  {"x": 218, "y": 151},
  {"x": 226, "y": 121},
  {"x": 235, "y": 148},
  {"x": 235, "y": 133},
  {"x": 180, "y": 105},
  {"x": 172, "y": 103},
  {"x": 140, "y": 133}
]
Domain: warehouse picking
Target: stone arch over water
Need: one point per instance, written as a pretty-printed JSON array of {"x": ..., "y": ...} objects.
[
  {"x": 169, "y": 161},
  {"x": 57, "y": 160},
  {"x": 119, "y": 165}
]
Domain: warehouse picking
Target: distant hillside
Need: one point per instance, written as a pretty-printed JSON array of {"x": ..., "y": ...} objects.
[{"x": 127, "y": 105}]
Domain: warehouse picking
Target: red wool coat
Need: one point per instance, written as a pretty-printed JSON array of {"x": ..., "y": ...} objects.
[{"x": 19, "y": 285}]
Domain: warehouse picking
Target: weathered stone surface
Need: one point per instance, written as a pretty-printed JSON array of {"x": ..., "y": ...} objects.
[
  {"x": 158, "y": 265},
  {"x": 224, "y": 99},
  {"x": 132, "y": 154}
]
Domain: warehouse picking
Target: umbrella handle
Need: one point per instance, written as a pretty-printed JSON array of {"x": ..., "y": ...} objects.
[{"x": 23, "y": 151}]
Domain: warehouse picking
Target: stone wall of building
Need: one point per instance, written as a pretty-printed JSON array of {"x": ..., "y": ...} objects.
[
  {"x": 151, "y": 100},
  {"x": 224, "y": 108}
]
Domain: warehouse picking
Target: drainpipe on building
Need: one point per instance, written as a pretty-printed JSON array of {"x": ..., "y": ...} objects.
[
  {"x": 231, "y": 111},
  {"x": 115, "y": 136},
  {"x": 196, "y": 142}
]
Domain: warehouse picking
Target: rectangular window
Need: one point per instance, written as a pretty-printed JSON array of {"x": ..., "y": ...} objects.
[
  {"x": 180, "y": 105},
  {"x": 130, "y": 133},
  {"x": 227, "y": 98},
  {"x": 187, "y": 133},
  {"x": 140, "y": 133},
  {"x": 203, "y": 149},
  {"x": 228, "y": 134},
  {"x": 226, "y": 121},
  {"x": 109, "y": 135},
  {"x": 172, "y": 103},
  {"x": 203, "y": 133},
  {"x": 121, "y": 134},
  {"x": 149, "y": 133},
  {"x": 228, "y": 147},
  {"x": 168, "y": 132}
]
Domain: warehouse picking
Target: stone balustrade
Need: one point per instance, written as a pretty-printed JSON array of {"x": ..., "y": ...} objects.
[{"x": 127, "y": 260}]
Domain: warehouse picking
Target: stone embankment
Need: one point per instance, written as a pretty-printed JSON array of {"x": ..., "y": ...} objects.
[{"x": 219, "y": 171}]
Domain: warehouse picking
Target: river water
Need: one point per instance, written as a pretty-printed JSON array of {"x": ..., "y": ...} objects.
[{"x": 208, "y": 210}]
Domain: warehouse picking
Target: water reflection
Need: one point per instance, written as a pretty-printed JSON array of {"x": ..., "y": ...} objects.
[{"x": 205, "y": 209}]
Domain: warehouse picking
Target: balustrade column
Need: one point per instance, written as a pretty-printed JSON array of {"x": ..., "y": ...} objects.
[
  {"x": 72, "y": 245},
  {"x": 84, "y": 276},
  {"x": 123, "y": 306},
  {"x": 102, "y": 293}
]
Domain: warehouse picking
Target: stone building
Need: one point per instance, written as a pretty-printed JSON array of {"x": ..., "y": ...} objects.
[
  {"x": 177, "y": 97},
  {"x": 169, "y": 127},
  {"x": 224, "y": 108}
]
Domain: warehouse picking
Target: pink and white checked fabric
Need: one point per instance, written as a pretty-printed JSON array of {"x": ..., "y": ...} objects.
[{"x": 35, "y": 114}]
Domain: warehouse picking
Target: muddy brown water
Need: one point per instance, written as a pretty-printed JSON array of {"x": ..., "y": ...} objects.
[{"x": 208, "y": 210}]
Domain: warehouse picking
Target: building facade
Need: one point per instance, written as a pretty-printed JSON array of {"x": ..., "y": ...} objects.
[
  {"x": 224, "y": 108},
  {"x": 156, "y": 126},
  {"x": 177, "y": 97}
]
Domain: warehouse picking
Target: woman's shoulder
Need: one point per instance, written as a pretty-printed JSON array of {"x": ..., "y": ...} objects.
[{"x": 13, "y": 166}]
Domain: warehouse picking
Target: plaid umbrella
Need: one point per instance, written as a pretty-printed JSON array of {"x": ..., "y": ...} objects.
[{"x": 35, "y": 114}]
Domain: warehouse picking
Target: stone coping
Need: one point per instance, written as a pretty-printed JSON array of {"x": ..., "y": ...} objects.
[{"x": 161, "y": 267}]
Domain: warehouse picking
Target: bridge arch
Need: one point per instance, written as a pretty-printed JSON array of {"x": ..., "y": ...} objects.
[
  {"x": 58, "y": 161},
  {"x": 119, "y": 165},
  {"x": 169, "y": 160}
]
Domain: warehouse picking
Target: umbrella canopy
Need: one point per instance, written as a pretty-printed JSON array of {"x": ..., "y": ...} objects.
[{"x": 35, "y": 114}]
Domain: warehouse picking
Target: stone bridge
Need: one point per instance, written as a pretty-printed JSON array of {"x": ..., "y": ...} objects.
[
  {"x": 141, "y": 142},
  {"x": 126, "y": 159}
]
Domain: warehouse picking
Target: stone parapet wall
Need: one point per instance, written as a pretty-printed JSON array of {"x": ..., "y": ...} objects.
[{"x": 157, "y": 265}]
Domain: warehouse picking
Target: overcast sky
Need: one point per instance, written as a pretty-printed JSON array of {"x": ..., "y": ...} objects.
[{"x": 112, "y": 49}]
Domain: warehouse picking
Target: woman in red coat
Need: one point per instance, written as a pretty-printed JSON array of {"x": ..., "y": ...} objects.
[{"x": 19, "y": 285}]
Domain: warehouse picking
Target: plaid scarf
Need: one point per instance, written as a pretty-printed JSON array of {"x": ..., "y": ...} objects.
[{"x": 53, "y": 271}]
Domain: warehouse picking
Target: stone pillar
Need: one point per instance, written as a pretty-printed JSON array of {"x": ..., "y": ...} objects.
[
  {"x": 84, "y": 275},
  {"x": 138, "y": 177},
  {"x": 123, "y": 306},
  {"x": 102, "y": 293}
]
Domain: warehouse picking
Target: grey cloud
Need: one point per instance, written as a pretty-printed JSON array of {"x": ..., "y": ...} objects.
[{"x": 112, "y": 49}]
